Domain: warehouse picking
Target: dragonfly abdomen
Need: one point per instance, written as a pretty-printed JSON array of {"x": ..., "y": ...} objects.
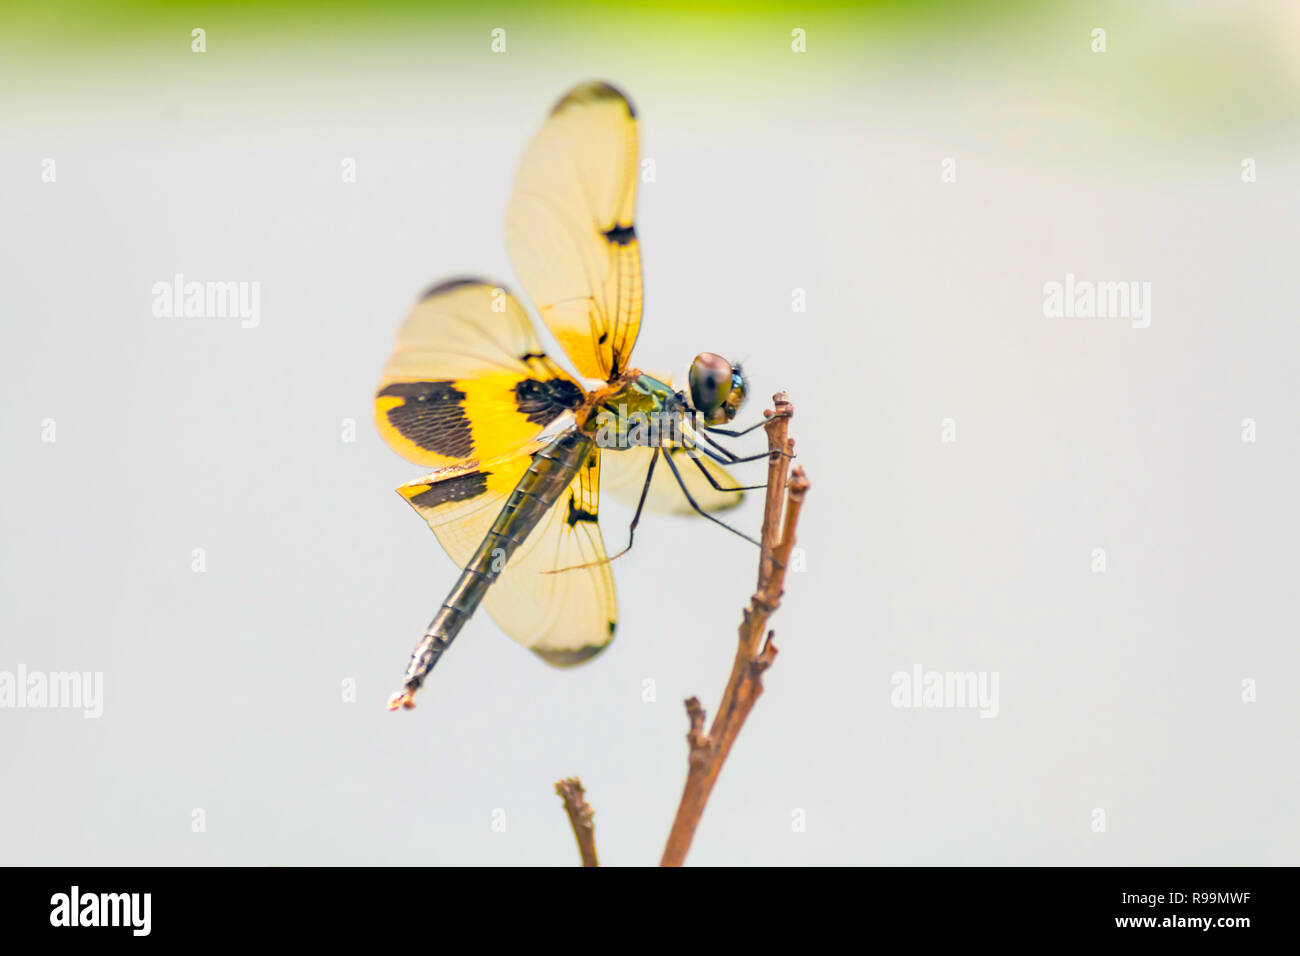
[{"x": 550, "y": 473}]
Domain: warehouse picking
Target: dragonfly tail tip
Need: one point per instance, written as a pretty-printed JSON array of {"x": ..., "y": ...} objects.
[{"x": 404, "y": 699}]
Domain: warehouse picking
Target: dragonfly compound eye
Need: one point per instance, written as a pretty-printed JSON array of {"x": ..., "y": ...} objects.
[{"x": 711, "y": 381}]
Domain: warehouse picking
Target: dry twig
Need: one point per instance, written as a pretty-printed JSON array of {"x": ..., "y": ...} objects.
[
  {"x": 755, "y": 652},
  {"x": 580, "y": 813}
]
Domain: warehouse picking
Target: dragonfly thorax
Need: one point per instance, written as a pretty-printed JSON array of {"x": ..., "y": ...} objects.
[{"x": 638, "y": 411}]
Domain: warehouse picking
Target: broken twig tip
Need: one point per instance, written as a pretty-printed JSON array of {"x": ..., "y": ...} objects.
[{"x": 580, "y": 818}]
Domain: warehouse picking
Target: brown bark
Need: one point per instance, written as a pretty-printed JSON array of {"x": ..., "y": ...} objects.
[
  {"x": 580, "y": 814},
  {"x": 755, "y": 651}
]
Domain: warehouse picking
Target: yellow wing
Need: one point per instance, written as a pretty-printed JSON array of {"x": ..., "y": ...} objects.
[
  {"x": 625, "y": 472},
  {"x": 565, "y": 617},
  {"x": 468, "y": 379},
  {"x": 570, "y": 228}
]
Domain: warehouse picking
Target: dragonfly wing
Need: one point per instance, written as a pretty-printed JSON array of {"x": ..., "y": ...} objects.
[
  {"x": 468, "y": 380},
  {"x": 624, "y": 477},
  {"x": 565, "y": 617},
  {"x": 568, "y": 616},
  {"x": 570, "y": 228},
  {"x": 460, "y": 502}
]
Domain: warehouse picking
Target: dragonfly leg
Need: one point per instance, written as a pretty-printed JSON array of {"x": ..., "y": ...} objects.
[
  {"x": 744, "y": 431},
  {"x": 631, "y": 531},
  {"x": 636, "y": 518},
  {"x": 731, "y": 457},
  {"x": 694, "y": 504},
  {"x": 714, "y": 482}
]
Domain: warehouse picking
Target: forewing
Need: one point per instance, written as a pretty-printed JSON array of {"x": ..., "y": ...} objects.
[
  {"x": 570, "y": 228},
  {"x": 468, "y": 379}
]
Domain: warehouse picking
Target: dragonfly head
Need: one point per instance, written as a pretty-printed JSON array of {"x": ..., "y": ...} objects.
[{"x": 718, "y": 388}]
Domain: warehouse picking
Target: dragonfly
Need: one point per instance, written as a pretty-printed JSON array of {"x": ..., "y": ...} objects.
[{"x": 521, "y": 448}]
